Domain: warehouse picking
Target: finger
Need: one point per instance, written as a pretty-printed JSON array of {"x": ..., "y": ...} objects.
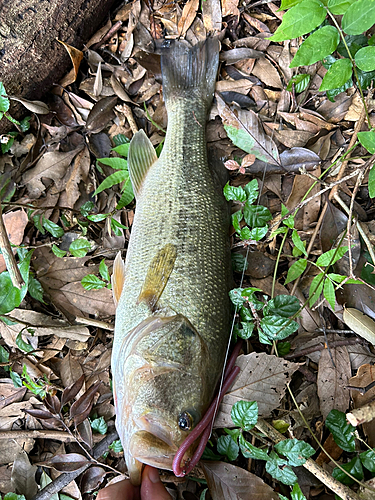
[
  {"x": 123, "y": 490},
  {"x": 152, "y": 488}
]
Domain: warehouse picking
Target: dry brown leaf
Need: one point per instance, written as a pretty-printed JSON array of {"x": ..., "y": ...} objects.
[
  {"x": 229, "y": 8},
  {"x": 9, "y": 453},
  {"x": 78, "y": 172},
  {"x": 52, "y": 165},
  {"x": 267, "y": 73},
  {"x": 188, "y": 15},
  {"x": 364, "y": 377},
  {"x": 290, "y": 138},
  {"x": 96, "y": 302},
  {"x": 38, "y": 107},
  {"x": 263, "y": 378},
  {"x": 76, "y": 56},
  {"x": 333, "y": 380},
  {"x": 241, "y": 86},
  {"x": 234, "y": 483},
  {"x": 15, "y": 223},
  {"x": 45, "y": 325},
  {"x": 71, "y": 371},
  {"x": 23, "y": 476}
]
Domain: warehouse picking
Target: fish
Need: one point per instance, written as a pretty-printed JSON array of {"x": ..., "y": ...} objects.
[{"x": 172, "y": 322}]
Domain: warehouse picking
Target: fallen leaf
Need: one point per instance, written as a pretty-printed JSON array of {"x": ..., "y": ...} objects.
[
  {"x": 52, "y": 165},
  {"x": 245, "y": 130},
  {"x": 71, "y": 372},
  {"x": 188, "y": 15},
  {"x": 233, "y": 56},
  {"x": 267, "y": 73},
  {"x": 23, "y": 476},
  {"x": 101, "y": 114},
  {"x": 37, "y": 107},
  {"x": 15, "y": 223},
  {"x": 365, "y": 376},
  {"x": 234, "y": 483},
  {"x": 66, "y": 462},
  {"x": 92, "y": 478},
  {"x": 211, "y": 13},
  {"x": 76, "y": 56},
  {"x": 229, "y": 8},
  {"x": 77, "y": 173},
  {"x": 263, "y": 378},
  {"x": 333, "y": 380}
]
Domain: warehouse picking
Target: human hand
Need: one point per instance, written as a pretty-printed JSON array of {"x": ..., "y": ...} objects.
[{"x": 151, "y": 488}]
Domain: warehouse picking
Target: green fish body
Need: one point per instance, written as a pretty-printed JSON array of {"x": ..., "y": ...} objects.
[{"x": 172, "y": 317}]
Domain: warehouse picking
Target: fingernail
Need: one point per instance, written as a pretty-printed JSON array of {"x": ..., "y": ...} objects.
[{"x": 153, "y": 475}]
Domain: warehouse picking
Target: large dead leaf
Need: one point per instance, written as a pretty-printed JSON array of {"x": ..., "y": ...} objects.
[
  {"x": 229, "y": 8},
  {"x": 234, "y": 483},
  {"x": 23, "y": 476},
  {"x": 263, "y": 378},
  {"x": 361, "y": 324},
  {"x": 267, "y": 73},
  {"x": 15, "y": 223},
  {"x": 333, "y": 380},
  {"x": 246, "y": 132},
  {"x": 187, "y": 17},
  {"x": 211, "y": 12},
  {"x": 52, "y": 165},
  {"x": 76, "y": 174},
  {"x": 43, "y": 325},
  {"x": 364, "y": 377}
]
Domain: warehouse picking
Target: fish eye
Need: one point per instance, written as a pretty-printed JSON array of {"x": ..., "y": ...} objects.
[{"x": 185, "y": 421}]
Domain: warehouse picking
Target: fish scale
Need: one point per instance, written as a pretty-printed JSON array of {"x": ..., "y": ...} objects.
[{"x": 167, "y": 357}]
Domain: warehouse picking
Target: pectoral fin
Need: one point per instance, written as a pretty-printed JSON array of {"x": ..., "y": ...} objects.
[
  {"x": 141, "y": 156},
  {"x": 157, "y": 275},
  {"x": 118, "y": 278}
]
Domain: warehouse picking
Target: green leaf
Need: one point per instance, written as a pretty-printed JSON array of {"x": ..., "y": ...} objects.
[
  {"x": 226, "y": 446},
  {"x": 239, "y": 263},
  {"x": 337, "y": 75},
  {"x": 116, "y": 446},
  {"x": 371, "y": 182},
  {"x": 296, "y": 451},
  {"x": 53, "y": 228},
  {"x": 353, "y": 43},
  {"x": 250, "y": 451},
  {"x": 245, "y": 414},
  {"x": 332, "y": 256},
  {"x": 283, "y": 348},
  {"x": 116, "y": 163},
  {"x": 16, "y": 379},
  {"x": 79, "y": 247},
  {"x": 122, "y": 149},
  {"x": 252, "y": 191},
  {"x": 257, "y": 233},
  {"x": 296, "y": 493},
  {"x": 35, "y": 289},
  {"x": 246, "y": 331},
  {"x": 342, "y": 431},
  {"x": 99, "y": 425},
  {"x": 282, "y": 305},
  {"x": 354, "y": 467},
  {"x": 112, "y": 180},
  {"x": 10, "y": 296},
  {"x": 365, "y": 59},
  {"x": 236, "y": 219},
  {"x": 245, "y": 233},
  {"x": 365, "y": 78},
  {"x": 339, "y": 7},
  {"x": 11, "y": 119},
  {"x": 120, "y": 139},
  {"x": 209, "y": 454},
  {"x": 92, "y": 282},
  {"x": 277, "y": 327},
  {"x": 86, "y": 208},
  {"x": 359, "y": 17},
  {"x": 235, "y": 296},
  {"x": 329, "y": 293},
  {"x": 57, "y": 251},
  {"x": 127, "y": 194},
  {"x": 256, "y": 216},
  {"x": 319, "y": 45},
  {"x": 117, "y": 227},
  {"x": 97, "y": 217},
  {"x": 25, "y": 124},
  {"x": 4, "y": 101},
  {"x": 234, "y": 193},
  {"x": 295, "y": 270},
  {"x": 280, "y": 470},
  {"x": 287, "y": 4},
  {"x": 367, "y": 139},
  {"x": 299, "y": 20},
  {"x": 103, "y": 270},
  {"x": 300, "y": 83},
  {"x": 368, "y": 460},
  {"x": 21, "y": 344},
  {"x": 316, "y": 288},
  {"x": 4, "y": 354},
  {"x": 298, "y": 242},
  {"x": 14, "y": 496}
]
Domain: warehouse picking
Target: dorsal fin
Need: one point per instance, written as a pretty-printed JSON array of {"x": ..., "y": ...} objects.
[
  {"x": 157, "y": 275},
  {"x": 118, "y": 278},
  {"x": 141, "y": 156}
]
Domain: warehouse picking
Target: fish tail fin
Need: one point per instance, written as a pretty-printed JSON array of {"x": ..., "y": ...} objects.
[{"x": 190, "y": 71}]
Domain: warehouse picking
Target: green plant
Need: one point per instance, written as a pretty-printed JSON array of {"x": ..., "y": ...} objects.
[
  {"x": 7, "y": 139},
  {"x": 92, "y": 282},
  {"x": 354, "y": 59}
]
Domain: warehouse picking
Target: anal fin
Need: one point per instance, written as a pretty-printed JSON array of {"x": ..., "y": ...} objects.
[{"x": 157, "y": 275}]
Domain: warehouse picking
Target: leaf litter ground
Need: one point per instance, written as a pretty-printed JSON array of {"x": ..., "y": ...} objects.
[{"x": 56, "y": 343}]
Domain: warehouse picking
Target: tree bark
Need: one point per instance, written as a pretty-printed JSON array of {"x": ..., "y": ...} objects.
[{"x": 31, "y": 59}]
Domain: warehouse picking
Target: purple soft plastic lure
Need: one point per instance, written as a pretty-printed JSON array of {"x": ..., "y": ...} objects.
[{"x": 205, "y": 425}]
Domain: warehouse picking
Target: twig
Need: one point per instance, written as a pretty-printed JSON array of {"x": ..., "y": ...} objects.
[
  {"x": 127, "y": 112},
  {"x": 94, "y": 322},
  {"x": 323, "y": 476},
  {"x": 114, "y": 29},
  {"x": 64, "y": 479},
  {"x": 8, "y": 255},
  {"x": 41, "y": 433}
]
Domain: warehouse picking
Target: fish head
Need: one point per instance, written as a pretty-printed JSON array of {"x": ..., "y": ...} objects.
[{"x": 163, "y": 385}]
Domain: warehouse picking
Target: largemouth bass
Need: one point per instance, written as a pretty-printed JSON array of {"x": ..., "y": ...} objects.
[{"x": 172, "y": 317}]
